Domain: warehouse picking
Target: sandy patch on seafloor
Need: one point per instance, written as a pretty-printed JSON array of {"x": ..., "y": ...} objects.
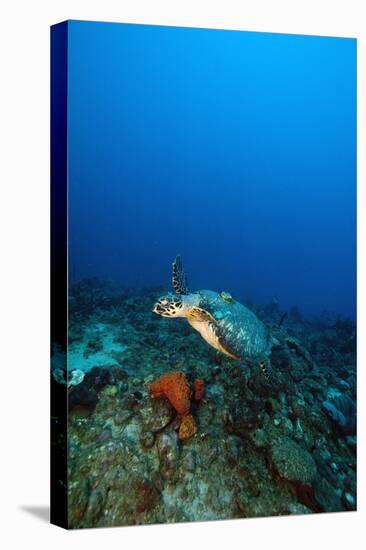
[{"x": 107, "y": 334}]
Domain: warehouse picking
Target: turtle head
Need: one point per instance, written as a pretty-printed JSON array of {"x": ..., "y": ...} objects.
[{"x": 170, "y": 306}]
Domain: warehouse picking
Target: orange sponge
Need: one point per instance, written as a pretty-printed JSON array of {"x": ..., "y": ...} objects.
[
  {"x": 187, "y": 427},
  {"x": 174, "y": 386},
  {"x": 199, "y": 389}
]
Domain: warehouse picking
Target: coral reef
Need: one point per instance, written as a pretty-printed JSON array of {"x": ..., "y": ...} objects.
[{"x": 254, "y": 449}]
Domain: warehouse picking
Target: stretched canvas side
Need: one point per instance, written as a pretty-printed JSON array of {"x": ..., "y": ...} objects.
[{"x": 59, "y": 36}]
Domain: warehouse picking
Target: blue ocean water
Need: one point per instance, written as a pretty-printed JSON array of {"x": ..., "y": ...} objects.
[{"x": 235, "y": 149}]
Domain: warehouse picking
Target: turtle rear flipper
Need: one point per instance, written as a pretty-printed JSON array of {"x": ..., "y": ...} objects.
[
  {"x": 266, "y": 368},
  {"x": 179, "y": 278}
]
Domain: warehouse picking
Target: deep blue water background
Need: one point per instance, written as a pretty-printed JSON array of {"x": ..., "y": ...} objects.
[{"x": 235, "y": 149}]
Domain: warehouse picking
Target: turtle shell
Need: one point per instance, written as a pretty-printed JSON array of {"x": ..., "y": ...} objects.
[{"x": 243, "y": 333}]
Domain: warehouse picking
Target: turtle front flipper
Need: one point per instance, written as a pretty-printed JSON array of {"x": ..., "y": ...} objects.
[
  {"x": 179, "y": 278},
  {"x": 198, "y": 314},
  {"x": 202, "y": 321}
]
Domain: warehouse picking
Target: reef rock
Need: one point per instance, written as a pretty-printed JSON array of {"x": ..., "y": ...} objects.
[
  {"x": 293, "y": 462},
  {"x": 156, "y": 414},
  {"x": 342, "y": 411},
  {"x": 168, "y": 451}
]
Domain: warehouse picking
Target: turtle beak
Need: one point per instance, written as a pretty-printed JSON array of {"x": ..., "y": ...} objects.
[{"x": 155, "y": 309}]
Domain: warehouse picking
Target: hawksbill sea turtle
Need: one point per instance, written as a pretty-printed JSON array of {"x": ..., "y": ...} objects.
[{"x": 224, "y": 323}]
